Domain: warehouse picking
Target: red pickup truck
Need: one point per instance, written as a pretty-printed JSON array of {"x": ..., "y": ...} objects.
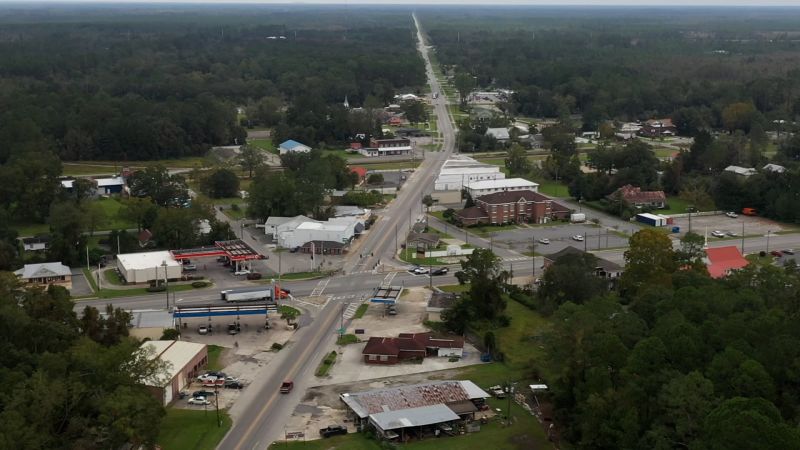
[{"x": 287, "y": 387}]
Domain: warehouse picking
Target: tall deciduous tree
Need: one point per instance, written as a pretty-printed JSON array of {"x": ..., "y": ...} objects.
[
  {"x": 517, "y": 160},
  {"x": 649, "y": 261},
  {"x": 250, "y": 157}
]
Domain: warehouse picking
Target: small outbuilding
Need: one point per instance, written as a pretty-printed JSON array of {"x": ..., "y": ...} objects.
[{"x": 291, "y": 146}]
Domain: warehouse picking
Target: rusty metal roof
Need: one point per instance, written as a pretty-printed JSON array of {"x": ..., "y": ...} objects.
[{"x": 413, "y": 396}]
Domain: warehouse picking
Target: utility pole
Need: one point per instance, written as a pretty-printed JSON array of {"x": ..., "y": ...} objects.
[
  {"x": 768, "y": 233},
  {"x": 743, "y": 238},
  {"x": 533, "y": 262}
]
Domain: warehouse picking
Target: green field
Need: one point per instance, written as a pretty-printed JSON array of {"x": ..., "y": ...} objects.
[
  {"x": 75, "y": 170},
  {"x": 264, "y": 144},
  {"x": 111, "y": 206},
  {"x": 518, "y": 341},
  {"x": 391, "y": 165},
  {"x": 184, "y": 429}
]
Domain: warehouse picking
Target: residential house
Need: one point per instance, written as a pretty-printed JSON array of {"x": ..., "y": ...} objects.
[
  {"x": 291, "y": 146},
  {"x": 423, "y": 241},
  {"x": 110, "y": 186},
  {"x": 513, "y": 207},
  {"x": 460, "y": 170},
  {"x": 604, "y": 268},
  {"x": 387, "y": 147},
  {"x": 722, "y": 261},
  {"x": 485, "y": 187},
  {"x": 45, "y": 274},
  {"x": 35, "y": 244},
  {"x": 500, "y": 134},
  {"x": 361, "y": 173},
  {"x": 628, "y": 130},
  {"x": 658, "y": 128},
  {"x": 774, "y": 168},
  {"x": 636, "y": 197},
  {"x": 741, "y": 171}
]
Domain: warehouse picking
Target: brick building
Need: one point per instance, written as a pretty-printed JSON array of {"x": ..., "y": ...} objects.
[{"x": 512, "y": 207}]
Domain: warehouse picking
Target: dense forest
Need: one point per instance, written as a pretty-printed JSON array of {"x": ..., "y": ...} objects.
[
  {"x": 131, "y": 84},
  {"x": 626, "y": 64},
  {"x": 63, "y": 387}
]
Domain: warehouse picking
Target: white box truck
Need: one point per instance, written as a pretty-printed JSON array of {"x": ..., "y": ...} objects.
[{"x": 577, "y": 217}]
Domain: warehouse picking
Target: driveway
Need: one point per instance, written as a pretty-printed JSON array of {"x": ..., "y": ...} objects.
[{"x": 80, "y": 286}]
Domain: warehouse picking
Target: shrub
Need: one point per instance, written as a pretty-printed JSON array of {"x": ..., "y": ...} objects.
[
  {"x": 276, "y": 346},
  {"x": 157, "y": 288},
  {"x": 199, "y": 284},
  {"x": 170, "y": 334}
]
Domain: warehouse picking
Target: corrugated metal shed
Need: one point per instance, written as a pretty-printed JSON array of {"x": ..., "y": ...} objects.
[{"x": 413, "y": 417}]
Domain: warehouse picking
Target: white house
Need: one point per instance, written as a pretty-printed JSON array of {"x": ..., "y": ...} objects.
[
  {"x": 108, "y": 186},
  {"x": 46, "y": 274},
  {"x": 774, "y": 168},
  {"x": 741, "y": 171},
  {"x": 291, "y": 146},
  {"x": 501, "y": 134},
  {"x": 485, "y": 187},
  {"x": 458, "y": 171},
  {"x": 148, "y": 266},
  {"x": 628, "y": 130}
]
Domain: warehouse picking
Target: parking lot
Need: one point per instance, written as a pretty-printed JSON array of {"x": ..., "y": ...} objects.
[
  {"x": 560, "y": 236},
  {"x": 747, "y": 225}
]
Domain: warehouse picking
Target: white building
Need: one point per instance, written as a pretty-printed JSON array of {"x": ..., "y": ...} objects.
[
  {"x": 774, "y": 168},
  {"x": 108, "y": 186},
  {"x": 500, "y": 134},
  {"x": 297, "y": 231},
  {"x": 148, "y": 266},
  {"x": 741, "y": 171},
  {"x": 628, "y": 130},
  {"x": 291, "y": 146},
  {"x": 458, "y": 171},
  {"x": 485, "y": 187}
]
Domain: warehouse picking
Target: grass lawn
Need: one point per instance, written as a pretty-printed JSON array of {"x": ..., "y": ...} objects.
[
  {"x": 236, "y": 214},
  {"x": 484, "y": 230},
  {"x": 326, "y": 364},
  {"x": 518, "y": 341},
  {"x": 442, "y": 234},
  {"x": 31, "y": 229},
  {"x": 755, "y": 258},
  {"x": 116, "y": 293},
  {"x": 87, "y": 169},
  {"x": 391, "y": 165},
  {"x": 347, "y": 339},
  {"x": 283, "y": 309},
  {"x": 111, "y": 206},
  {"x": 264, "y": 144},
  {"x": 184, "y": 429},
  {"x": 678, "y": 206},
  {"x": 111, "y": 276},
  {"x": 187, "y": 163},
  {"x": 342, "y": 153},
  {"x": 410, "y": 257},
  {"x": 214, "y": 352},
  {"x": 362, "y": 309},
  {"x": 552, "y": 188}
]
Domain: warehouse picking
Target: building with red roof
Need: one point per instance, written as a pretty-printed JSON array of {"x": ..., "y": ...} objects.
[
  {"x": 721, "y": 261},
  {"x": 410, "y": 346},
  {"x": 360, "y": 171}
]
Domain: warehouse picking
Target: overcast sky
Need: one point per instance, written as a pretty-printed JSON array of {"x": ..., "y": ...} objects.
[{"x": 639, "y": 3}]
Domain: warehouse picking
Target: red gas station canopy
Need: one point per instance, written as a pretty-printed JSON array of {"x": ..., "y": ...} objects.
[{"x": 235, "y": 250}]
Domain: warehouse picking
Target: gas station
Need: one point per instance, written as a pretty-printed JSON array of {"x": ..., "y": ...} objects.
[{"x": 236, "y": 251}]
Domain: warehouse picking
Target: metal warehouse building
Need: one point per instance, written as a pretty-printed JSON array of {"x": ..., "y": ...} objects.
[{"x": 184, "y": 360}]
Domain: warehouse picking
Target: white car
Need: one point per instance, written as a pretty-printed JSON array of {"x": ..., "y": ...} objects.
[
  {"x": 717, "y": 233},
  {"x": 731, "y": 214},
  {"x": 420, "y": 271},
  {"x": 242, "y": 272},
  {"x": 578, "y": 238},
  {"x": 199, "y": 401},
  {"x": 544, "y": 241}
]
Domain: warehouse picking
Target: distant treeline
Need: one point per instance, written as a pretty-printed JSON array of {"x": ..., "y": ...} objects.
[
  {"x": 628, "y": 66},
  {"x": 122, "y": 87}
]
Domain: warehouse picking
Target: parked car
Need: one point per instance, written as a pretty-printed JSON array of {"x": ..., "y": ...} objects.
[
  {"x": 294, "y": 249},
  {"x": 205, "y": 394},
  {"x": 717, "y": 233},
  {"x": 391, "y": 310},
  {"x": 776, "y": 253},
  {"x": 242, "y": 272},
  {"x": 233, "y": 329},
  {"x": 234, "y": 384},
  {"x": 788, "y": 251},
  {"x": 199, "y": 401},
  {"x": 332, "y": 430},
  {"x": 189, "y": 267},
  {"x": 202, "y": 330},
  {"x": 287, "y": 387},
  {"x": 578, "y": 238},
  {"x": 731, "y": 214},
  {"x": 440, "y": 271},
  {"x": 254, "y": 276},
  {"x": 544, "y": 241}
]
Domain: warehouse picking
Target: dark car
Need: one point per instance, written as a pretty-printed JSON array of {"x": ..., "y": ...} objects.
[
  {"x": 203, "y": 394},
  {"x": 440, "y": 271},
  {"x": 254, "y": 276},
  {"x": 332, "y": 430},
  {"x": 234, "y": 384}
]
